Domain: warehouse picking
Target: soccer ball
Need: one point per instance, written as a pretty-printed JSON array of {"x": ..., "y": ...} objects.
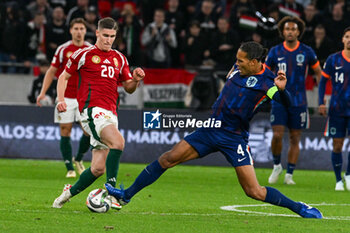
[{"x": 98, "y": 201}]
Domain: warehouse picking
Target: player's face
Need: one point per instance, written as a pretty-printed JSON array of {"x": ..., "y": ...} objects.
[
  {"x": 243, "y": 63},
  {"x": 346, "y": 40},
  {"x": 78, "y": 32},
  {"x": 290, "y": 31},
  {"x": 105, "y": 38}
]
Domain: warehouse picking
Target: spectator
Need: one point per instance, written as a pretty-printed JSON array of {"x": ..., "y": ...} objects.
[
  {"x": 130, "y": 39},
  {"x": 148, "y": 8},
  {"x": 194, "y": 46},
  {"x": 158, "y": 38},
  {"x": 78, "y": 11},
  {"x": 321, "y": 43},
  {"x": 38, "y": 82},
  {"x": 175, "y": 19},
  {"x": 91, "y": 18},
  {"x": 207, "y": 18},
  {"x": 35, "y": 36},
  {"x": 336, "y": 24},
  {"x": 12, "y": 44},
  {"x": 56, "y": 32},
  {"x": 311, "y": 19},
  {"x": 224, "y": 45},
  {"x": 41, "y": 6}
]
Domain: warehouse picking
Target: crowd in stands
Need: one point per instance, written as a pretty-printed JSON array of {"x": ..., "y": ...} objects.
[{"x": 166, "y": 33}]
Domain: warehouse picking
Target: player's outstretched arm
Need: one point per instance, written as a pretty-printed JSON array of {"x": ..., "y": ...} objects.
[
  {"x": 49, "y": 76},
  {"x": 61, "y": 88},
  {"x": 130, "y": 85}
]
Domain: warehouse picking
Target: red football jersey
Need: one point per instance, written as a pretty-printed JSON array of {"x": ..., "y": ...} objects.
[
  {"x": 99, "y": 75},
  {"x": 62, "y": 54}
]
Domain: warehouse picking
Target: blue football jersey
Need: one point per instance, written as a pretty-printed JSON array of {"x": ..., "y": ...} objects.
[
  {"x": 337, "y": 68},
  {"x": 240, "y": 99},
  {"x": 295, "y": 64}
]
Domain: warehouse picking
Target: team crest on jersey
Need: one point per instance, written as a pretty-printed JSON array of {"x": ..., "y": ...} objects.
[
  {"x": 69, "y": 53},
  {"x": 115, "y": 62},
  {"x": 300, "y": 59},
  {"x": 251, "y": 81},
  {"x": 96, "y": 59}
]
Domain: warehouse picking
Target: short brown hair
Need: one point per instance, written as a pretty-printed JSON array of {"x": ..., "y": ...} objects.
[
  {"x": 77, "y": 20},
  {"x": 296, "y": 20},
  {"x": 107, "y": 23}
]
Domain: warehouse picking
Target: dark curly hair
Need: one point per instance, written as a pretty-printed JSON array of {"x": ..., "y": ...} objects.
[
  {"x": 254, "y": 50},
  {"x": 296, "y": 20}
]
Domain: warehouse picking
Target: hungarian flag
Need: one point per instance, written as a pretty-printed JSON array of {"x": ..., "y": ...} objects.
[
  {"x": 166, "y": 87},
  {"x": 287, "y": 11},
  {"x": 248, "y": 22}
]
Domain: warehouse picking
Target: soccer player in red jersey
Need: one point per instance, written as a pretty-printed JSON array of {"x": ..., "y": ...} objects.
[
  {"x": 100, "y": 69},
  {"x": 66, "y": 119}
]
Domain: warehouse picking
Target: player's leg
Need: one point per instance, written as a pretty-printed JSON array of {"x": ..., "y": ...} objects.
[
  {"x": 276, "y": 148},
  {"x": 66, "y": 147},
  {"x": 293, "y": 154},
  {"x": 84, "y": 145},
  {"x": 336, "y": 129},
  {"x": 337, "y": 162},
  {"x": 111, "y": 137},
  {"x": 247, "y": 179},
  {"x": 86, "y": 178},
  {"x": 180, "y": 153}
]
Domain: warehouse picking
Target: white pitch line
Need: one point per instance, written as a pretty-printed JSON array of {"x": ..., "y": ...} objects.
[{"x": 234, "y": 208}]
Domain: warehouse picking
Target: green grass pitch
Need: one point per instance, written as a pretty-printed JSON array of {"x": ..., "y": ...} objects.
[{"x": 184, "y": 199}]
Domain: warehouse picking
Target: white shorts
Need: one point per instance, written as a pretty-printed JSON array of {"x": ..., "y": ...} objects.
[
  {"x": 71, "y": 115},
  {"x": 94, "y": 120}
]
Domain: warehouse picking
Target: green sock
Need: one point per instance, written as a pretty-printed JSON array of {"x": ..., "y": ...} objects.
[
  {"x": 112, "y": 166},
  {"x": 84, "y": 146},
  {"x": 85, "y": 180},
  {"x": 66, "y": 150}
]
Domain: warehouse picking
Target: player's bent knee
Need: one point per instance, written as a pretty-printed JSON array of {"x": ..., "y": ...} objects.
[
  {"x": 98, "y": 171},
  {"x": 168, "y": 160},
  {"x": 255, "y": 193}
]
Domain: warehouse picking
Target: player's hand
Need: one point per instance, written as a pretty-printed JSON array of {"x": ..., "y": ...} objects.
[
  {"x": 39, "y": 98},
  {"x": 138, "y": 74},
  {"x": 322, "y": 110},
  {"x": 281, "y": 80},
  {"x": 61, "y": 106}
]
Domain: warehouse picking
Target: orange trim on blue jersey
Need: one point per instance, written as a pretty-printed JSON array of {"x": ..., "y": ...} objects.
[
  {"x": 259, "y": 102},
  {"x": 315, "y": 65},
  {"x": 293, "y": 49},
  {"x": 261, "y": 71},
  {"x": 268, "y": 67},
  {"x": 344, "y": 56},
  {"x": 325, "y": 74}
]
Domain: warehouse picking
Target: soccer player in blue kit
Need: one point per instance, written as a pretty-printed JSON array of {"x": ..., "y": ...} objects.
[
  {"x": 294, "y": 58},
  {"x": 249, "y": 84},
  {"x": 337, "y": 69}
]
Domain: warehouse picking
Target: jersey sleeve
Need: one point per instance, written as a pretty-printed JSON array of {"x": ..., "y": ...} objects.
[
  {"x": 56, "y": 61},
  {"x": 313, "y": 60},
  {"x": 328, "y": 68},
  {"x": 270, "y": 59},
  {"x": 72, "y": 63},
  {"x": 125, "y": 73}
]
